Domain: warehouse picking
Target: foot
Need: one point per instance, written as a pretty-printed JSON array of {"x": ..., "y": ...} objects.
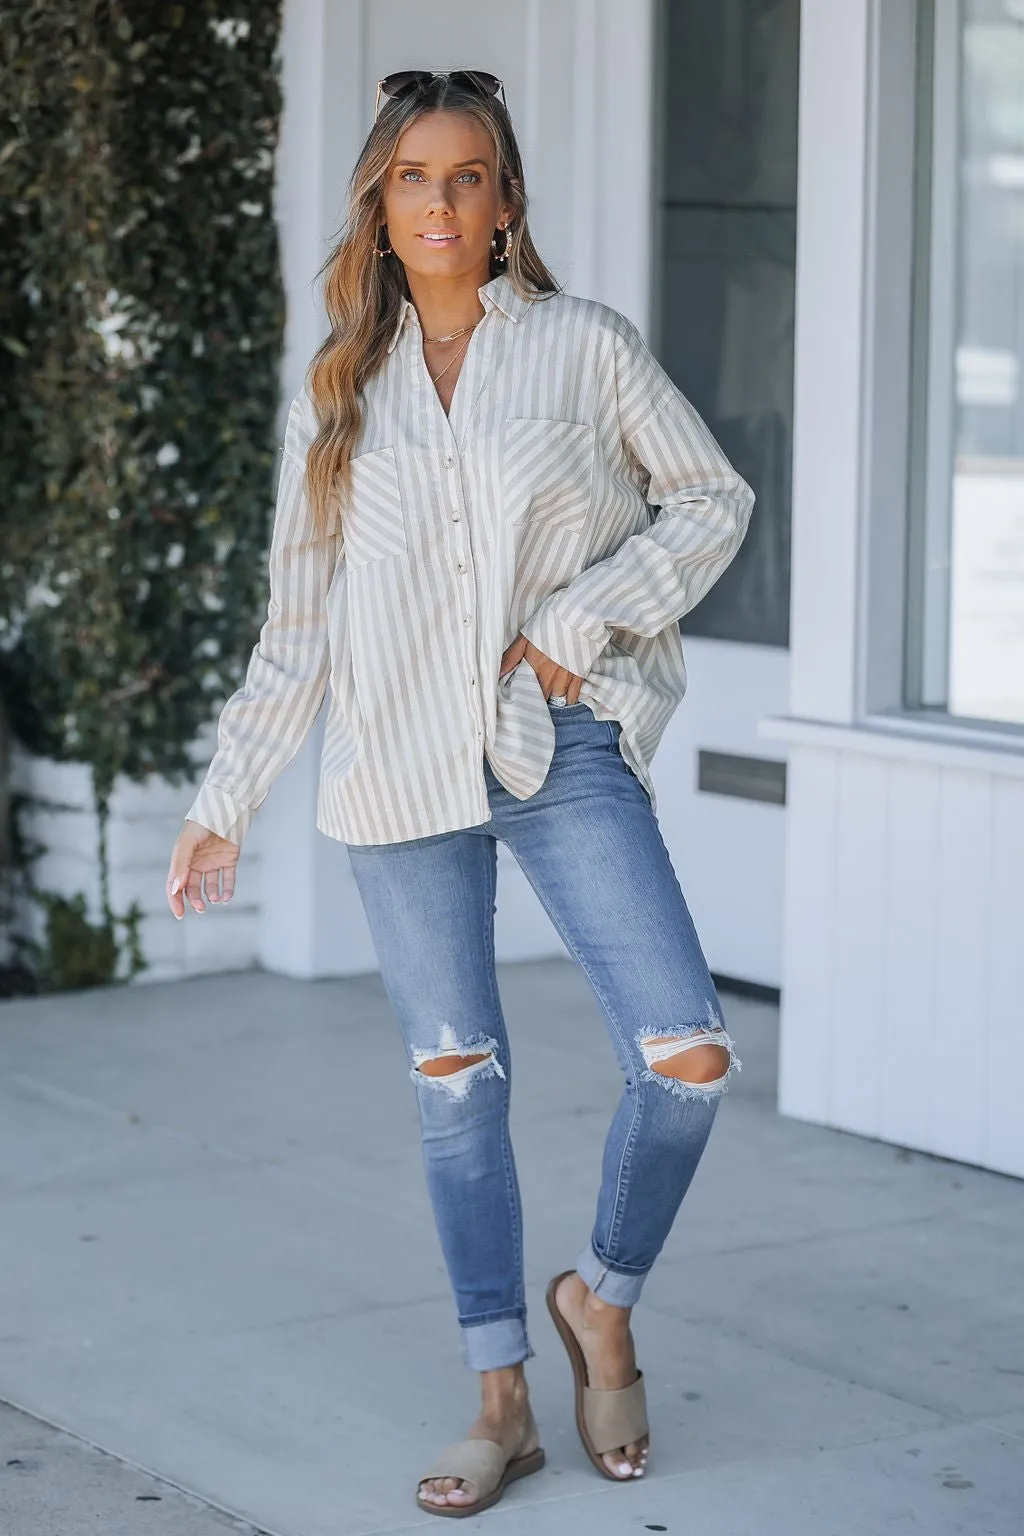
[
  {"x": 506, "y": 1418},
  {"x": 602, "y": 1332}
]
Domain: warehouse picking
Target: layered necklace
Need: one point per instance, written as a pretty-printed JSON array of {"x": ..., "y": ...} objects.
[{"x": 452, "y": 336}]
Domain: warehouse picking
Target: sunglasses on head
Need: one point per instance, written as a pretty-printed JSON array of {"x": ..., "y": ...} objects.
[{"x": 405, "y": 81}]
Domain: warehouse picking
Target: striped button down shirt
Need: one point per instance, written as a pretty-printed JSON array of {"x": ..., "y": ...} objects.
[{"x": 572, "y": 494}]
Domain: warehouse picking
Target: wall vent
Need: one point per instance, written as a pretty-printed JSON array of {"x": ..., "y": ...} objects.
[{"x": 745, "y": 778}]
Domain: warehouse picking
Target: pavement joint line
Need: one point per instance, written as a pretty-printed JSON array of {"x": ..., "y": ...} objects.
[
  {"x": 820, "y": 1370},
  {"x": 248, "y": 1526},
  {"x": 1000, "y": 1429}
]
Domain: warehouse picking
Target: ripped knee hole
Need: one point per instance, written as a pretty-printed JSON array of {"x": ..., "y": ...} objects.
[
  {"x": 697, "y": 1063},
  {"x": 455, "y": 1065}
]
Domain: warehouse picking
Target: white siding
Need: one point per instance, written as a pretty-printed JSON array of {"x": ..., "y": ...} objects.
[{"x": 903, "y": 982}]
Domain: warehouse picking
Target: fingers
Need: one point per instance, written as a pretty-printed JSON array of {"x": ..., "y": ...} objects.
[
  {"x": 177, "y": 875},
  {"x": 513, "y": 656},
  {"x": 554, "y": 680},
  {"x": 199, "y": 856},
  {"x": 194, "y": 890}
]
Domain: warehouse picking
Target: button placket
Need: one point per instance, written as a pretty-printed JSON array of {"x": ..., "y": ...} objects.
[{"x": 455, "y": 515}]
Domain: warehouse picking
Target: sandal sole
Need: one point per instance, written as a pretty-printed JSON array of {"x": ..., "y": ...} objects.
[{"x": 519, "y": 1466}]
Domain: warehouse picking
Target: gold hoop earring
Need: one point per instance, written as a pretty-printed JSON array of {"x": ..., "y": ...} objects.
[{"x": 504, "y": 254}]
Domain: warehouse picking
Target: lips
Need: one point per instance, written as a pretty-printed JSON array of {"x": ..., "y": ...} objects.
[{"x": 439, "y": 237}]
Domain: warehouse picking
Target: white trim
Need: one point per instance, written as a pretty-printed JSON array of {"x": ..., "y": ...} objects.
[
  {"x": 829, "y": 355},
  {"x": 900, "y": 739}
]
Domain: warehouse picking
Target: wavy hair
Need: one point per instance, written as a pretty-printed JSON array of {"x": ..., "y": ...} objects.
[{"x": 363, "y": 292}]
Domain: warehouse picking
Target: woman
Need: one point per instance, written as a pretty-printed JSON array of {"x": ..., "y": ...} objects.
[{"x": 465, "y": 550}]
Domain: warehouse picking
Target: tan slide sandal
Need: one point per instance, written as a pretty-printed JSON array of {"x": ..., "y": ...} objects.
[
  {"x": 482, "y": 1463},
  {"x": 605, "y": 1420}
]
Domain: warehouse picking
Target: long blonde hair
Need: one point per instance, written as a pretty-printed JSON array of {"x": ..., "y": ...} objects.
[{"x": 364, "y": 292}]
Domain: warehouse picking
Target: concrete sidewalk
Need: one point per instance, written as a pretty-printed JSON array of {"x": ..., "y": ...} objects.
[{"x": 220, "y": 1265}]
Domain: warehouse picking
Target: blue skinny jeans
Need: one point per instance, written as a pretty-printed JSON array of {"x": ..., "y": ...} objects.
[{"x": 589, "y": 844}]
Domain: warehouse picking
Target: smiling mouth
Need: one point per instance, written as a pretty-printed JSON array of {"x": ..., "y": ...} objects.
[{"x": 438, "y": 238}]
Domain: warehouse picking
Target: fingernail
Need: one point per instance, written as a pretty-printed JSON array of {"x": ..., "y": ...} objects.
[
  {"x": 638, "y": 1471},
  {"x": 176, "y": 886}
]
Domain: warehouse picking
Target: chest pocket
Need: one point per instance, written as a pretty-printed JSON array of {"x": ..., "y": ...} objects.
[
  {"x": 373, "y": 518},
  {"x": 548, "y": 472}
]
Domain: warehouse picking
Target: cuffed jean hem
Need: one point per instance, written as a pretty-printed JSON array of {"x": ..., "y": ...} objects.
[
  {"x": 609, "y": 1284},
  {"x": 489, "y": 1346}
]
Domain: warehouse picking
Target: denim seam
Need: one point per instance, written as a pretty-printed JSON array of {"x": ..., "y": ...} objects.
[
  {"x": 622, "y": 1176},
  {"x": 502, "y": 1315},
  {"x": 511, "y": 1182}
]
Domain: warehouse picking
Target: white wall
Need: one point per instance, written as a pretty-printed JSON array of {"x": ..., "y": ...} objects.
[
  {"x": 903, "y": 968},
  {"x": 144, "y": 821}
]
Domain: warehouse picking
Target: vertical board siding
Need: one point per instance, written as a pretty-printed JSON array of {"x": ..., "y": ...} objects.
[
  {"x": 808, "y": 962},
  {"x": 961, "y": 966},
  {"x": 905, "y": 1061},
  {"x": 1004, "y": 1065},
  {"x": 859, "y": 981},
  {"x": 903, "y": 990}
]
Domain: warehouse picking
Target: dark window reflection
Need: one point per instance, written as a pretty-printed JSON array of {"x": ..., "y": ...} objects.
[{"x": 727, "y": 270}]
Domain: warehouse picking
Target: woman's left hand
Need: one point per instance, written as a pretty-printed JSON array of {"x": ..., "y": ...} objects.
[{"x": 553, "y": 678}]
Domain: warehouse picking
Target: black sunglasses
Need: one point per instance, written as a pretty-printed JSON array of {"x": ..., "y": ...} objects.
[{"x": 405, "y": 81}]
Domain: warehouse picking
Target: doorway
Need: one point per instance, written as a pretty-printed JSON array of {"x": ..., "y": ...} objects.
[{"x": 723, "y": 327}]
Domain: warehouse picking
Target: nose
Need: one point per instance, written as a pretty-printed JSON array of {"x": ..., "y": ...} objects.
[{"x": 439, "y": 200}]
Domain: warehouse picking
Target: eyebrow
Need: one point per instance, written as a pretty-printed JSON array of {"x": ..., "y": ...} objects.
[{"x": 460, "y": 165}]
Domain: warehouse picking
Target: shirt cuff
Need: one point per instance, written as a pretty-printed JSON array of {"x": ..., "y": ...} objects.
[
  {"x": 571, "y": 649},
  {"x": 219, "y": 812}
]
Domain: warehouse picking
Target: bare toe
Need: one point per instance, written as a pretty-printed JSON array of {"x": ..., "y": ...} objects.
[
  {"x": 617, "y": 1464},
  {"x": 446, "y": 1490}
]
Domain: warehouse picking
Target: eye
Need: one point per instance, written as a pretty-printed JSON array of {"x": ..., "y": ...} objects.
[
  {"x": 408, "y": 173},
  {"x": 473, "y": 175}
]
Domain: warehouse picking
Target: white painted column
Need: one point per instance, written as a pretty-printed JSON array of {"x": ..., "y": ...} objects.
[
  {"x": 835, "y": 93},
  {"x": 311, "y": 920}
]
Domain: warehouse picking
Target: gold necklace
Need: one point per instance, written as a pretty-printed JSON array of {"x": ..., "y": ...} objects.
[
  {"x": 455, "y": 334},
  {"x": 453, "y": 359}
]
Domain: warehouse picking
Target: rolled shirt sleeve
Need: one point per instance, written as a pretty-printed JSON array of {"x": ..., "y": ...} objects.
[
  {"x": 655, "y": 576},
  {"x": 265, "y": 721}
]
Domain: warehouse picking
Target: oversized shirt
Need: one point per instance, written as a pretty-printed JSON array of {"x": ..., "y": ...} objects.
[{"x": 572, "y": 494}]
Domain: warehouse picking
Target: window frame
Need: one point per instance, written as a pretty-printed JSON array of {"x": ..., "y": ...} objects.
[{"x": 910, "y": 320}]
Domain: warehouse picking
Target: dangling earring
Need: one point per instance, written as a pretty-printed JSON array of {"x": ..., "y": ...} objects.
[
  {"x": 504, "y": 254},
  {"x": 388, "y": 250}
]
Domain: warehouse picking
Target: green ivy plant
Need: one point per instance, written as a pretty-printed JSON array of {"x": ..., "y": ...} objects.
[{"x": 141, "y": 327}]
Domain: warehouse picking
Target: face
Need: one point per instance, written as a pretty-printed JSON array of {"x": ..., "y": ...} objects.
[{"x": 441, "y": 198}]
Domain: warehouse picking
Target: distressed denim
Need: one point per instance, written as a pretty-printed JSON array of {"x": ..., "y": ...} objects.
[{"x": 589, "y": 843}]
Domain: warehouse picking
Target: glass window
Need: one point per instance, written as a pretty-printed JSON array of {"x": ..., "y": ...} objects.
[
  {"x": 727, "y": 217},
  {"x": 965, "y": 630}
]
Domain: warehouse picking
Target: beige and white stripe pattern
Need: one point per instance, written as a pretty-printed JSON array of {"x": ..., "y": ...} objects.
[{"x": 573, "y": 494}]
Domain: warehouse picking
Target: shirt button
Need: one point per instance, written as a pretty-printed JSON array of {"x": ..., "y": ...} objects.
[
  {"x": 449, "y": 461},
  {"x": 465, "y": 621},
  {"x": 455, "y": 517}
]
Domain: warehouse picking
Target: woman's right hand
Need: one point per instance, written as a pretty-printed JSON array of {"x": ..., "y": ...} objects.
[{"x": 198, "y": 854}]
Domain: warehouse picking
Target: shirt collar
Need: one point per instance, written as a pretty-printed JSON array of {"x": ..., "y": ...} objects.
[{"x": 497, "y": 294}]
